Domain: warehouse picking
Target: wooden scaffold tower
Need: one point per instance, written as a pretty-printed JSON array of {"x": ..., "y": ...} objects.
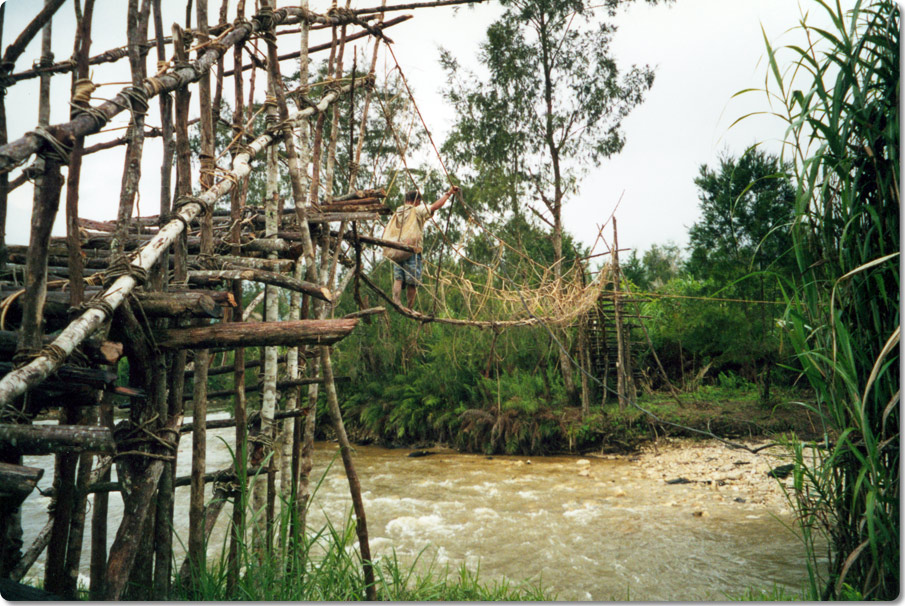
[
  {"x": 609, "y": 336},
  {"x": 165, "y": 292}
]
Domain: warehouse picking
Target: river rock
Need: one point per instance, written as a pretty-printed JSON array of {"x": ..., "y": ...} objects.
[
  {"x": 782, "y": 471},
  {"x": 583, "y": 462},
  {"x": 421, "y": 453}
]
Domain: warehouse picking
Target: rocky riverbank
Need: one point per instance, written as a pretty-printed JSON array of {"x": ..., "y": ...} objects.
[{"x": 707, "y": 472}]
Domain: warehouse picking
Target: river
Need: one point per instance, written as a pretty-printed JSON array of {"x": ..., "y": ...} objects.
[{"x": 593, "y": 528}]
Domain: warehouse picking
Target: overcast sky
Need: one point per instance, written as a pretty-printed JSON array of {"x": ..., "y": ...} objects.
[{"x": 703, "y": 51}]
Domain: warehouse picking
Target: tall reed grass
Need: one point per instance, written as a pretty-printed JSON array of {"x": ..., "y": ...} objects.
[{"x": 839, "y": 95}]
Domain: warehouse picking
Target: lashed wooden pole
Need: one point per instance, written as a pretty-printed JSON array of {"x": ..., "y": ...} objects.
[
  {"x": 237, "y": 203},
  {"x": 20, "y": 380},
  {"x": 15, "y": 152},
  {"x": 197, "y": 553},
  {"x": 263, "y": 484}
]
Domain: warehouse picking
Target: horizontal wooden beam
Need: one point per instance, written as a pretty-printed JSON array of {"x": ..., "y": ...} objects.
[
  {"x": 18, "y": 481},
  {"x": 264, "y": 277},
  {"x": 99, "y": 352},
  {"x": 251, "y": 334},
  {"x": 48, "y": 439}
]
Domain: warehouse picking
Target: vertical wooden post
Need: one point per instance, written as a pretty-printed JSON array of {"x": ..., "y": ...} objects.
[
  {"x": 237, "y": 202},
  {"x": 617, "y": 312},
  {"x": 163, "y": 518},
  {"x": 196, "y": 544},
  {"x": 46, "y": 203},
  {"x": 361, "y": 524},
  {"x": 96, "y": 587},
  {"x": 76, "y": 284},
  {"x": 136, "y": 30},
  {"x": 4, "y": 178}
]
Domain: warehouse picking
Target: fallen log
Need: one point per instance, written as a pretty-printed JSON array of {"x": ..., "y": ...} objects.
[
  {"x": 48, "y": 439},
  {"x": 251, "y": 334}
]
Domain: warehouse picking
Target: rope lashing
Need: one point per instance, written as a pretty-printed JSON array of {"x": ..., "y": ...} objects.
[
  {"x": 137, "y": 99},
  {"x": 44, "y": 62},
  {"x": 206, "y": 261},
  {"x": 6, "y": 80},
  {"x": 14, "y": 416},
  {"x": 98, "y": 302},
  {"x": 270, "y": 117},
  {"x": 58, "y": 152},
  {"x": 115, "y": 54},
  {"x": 301, "y": 99},
  {"x": 122, "y": 266},
  {"x": 83, "y": 89},
  {"x": 185, "y": 199},
  {"x": 154, "y": 83},
  {"x": 81, "y": 99},
  {"x": 55, "y": 353},
  {"x": 264, "y": 18},
  {"x": 6, "y": 304},
  {"x": 265, "y": 441}
]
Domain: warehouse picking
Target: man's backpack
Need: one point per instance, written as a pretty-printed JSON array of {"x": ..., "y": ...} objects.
[{"x": 403, "y": 221}]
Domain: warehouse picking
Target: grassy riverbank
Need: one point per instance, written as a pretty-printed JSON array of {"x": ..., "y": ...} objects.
[
  {"x": 326, "y": 567},
  {"x": 535, "y": 427}
]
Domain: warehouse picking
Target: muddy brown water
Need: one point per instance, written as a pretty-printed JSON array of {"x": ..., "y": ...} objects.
[{"x": 587, "y": 528}]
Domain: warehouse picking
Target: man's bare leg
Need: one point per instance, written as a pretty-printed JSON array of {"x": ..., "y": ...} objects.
[
  {"x": 397, "y": 292},
  {"x": 410, "y": 294}
]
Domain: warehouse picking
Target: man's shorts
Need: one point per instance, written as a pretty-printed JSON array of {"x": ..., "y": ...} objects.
[{"x": 409, "y": 271}]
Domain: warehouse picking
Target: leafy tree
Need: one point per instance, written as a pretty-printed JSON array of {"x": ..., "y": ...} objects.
[
  {"x": 658, "y": 265},
  {"x": 743, "y": 244},
  {"x": 553, "y": 104},
  {"x": 747, "y": 205}
]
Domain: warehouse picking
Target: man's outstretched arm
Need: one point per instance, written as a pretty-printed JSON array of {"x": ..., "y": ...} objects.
[{"x": 444, "y": 198}]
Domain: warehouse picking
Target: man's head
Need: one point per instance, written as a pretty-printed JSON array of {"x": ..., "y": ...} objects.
[{"x": 412, "y": 197}]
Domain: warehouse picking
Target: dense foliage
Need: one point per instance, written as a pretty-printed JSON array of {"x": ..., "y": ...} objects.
[{"x": 843, "y": 319}]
